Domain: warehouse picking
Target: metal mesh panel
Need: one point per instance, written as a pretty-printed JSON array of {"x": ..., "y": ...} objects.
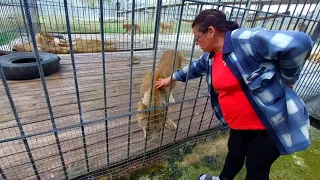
[{"x": 81, "y": 121}]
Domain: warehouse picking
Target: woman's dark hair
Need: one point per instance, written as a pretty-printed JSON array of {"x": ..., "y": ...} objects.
[{"x": 215, "y": 18}]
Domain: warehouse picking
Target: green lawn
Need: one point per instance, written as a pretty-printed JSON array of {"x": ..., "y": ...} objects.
[
  {"x": 94, "y": 3},
  {"x": 208, "y": 157},
  {"x": 8, "y": 30},
  {"x": 7, "y": 36},
  {"x": 58, "y": 24},
  {"x": 300, "y": 165}
]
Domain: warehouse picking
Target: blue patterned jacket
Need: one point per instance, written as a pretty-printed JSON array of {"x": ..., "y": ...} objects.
[{"x": 264, "y": 62}]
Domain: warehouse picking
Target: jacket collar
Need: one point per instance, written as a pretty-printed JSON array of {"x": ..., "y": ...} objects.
[{"x": 227, "y": 45}]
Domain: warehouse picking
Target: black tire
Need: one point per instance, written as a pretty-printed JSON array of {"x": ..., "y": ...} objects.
[
  {"x": 2, "y": 53},
  {"x": 23, "y": 65}
]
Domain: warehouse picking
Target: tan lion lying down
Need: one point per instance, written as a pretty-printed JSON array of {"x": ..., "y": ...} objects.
[{"x": 47, "y": 43}]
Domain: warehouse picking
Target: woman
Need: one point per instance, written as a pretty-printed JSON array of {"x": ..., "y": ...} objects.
[{"x": 250, "y": 74}]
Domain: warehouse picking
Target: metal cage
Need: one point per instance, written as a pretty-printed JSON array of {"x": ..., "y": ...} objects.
[{"x": 81, "y": 121}]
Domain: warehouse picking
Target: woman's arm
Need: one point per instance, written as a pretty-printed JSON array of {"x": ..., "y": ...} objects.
[
  {"x": 197, "y": 68},
  {"x": 289, "y": 48}
]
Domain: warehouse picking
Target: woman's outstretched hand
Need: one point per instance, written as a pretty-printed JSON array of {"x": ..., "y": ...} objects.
[{"x": 163, "y": 83}]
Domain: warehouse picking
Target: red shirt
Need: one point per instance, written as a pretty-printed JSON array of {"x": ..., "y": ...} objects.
[{"x": 236, "y": 109}]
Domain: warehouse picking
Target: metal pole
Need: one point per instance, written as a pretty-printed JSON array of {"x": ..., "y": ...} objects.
[
  {"x": 76, "y": 83},
  {"x": 104, "y": 80}
]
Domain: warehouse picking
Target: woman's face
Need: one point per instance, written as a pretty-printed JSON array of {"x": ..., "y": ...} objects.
[{"x": 204, "y": 39}]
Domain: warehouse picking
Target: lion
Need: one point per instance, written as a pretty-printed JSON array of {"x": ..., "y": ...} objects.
[
  {"x": 159, "y": 96},
  {"x": 27, "y": 47},
  {"x": 88, "y": 45},
  {"x": 128, "y": 28},
  {"x": 166, "y": 28},
  {"x": 47, "y": 43}
]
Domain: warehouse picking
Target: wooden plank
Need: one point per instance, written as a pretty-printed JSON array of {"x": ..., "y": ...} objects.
[
  {"x": 69, "y": 105},
  {"x": 72, "y": 141},
  {"x": 31, "y": 105}
]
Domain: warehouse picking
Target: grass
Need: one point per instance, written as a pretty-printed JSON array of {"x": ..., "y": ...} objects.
[
  {"x": 58, "y": 24},
  {"x": 6, "y": 37},
  {"x": 208, "y": 157},
  {"x": 300, "y": 165},
  {"x": 94, "y": 3},
  {"x": 199, "y": 161},
  {"x": 8, "y": 30}
]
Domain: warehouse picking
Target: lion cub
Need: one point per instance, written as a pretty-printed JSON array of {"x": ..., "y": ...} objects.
[{"x": 159, "y": 96}]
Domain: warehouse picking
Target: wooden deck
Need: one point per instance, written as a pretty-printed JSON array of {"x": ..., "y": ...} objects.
[{"x": 33, "y": 112}]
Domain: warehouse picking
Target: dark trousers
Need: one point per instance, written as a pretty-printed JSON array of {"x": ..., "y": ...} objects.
[{"x": 256, "y": 147}]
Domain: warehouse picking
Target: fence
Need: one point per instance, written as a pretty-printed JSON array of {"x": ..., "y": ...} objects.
[{"x": 81, "y": 121}]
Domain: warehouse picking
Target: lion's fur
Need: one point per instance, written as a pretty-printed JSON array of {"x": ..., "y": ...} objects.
[
  {"x": 166, "y": 27},
  {"x": 128, "y": 28},
  {"x": 159, "y": 96},
  {"x": 47, "y": 43}
]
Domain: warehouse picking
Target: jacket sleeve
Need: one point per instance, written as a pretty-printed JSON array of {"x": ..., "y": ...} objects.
[
  {"x": 289, "y": 48},
  {"x": 197, "y": 68}
]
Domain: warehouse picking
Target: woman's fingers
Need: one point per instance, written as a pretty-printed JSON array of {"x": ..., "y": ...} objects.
[{"x": 159, "y": 84}]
